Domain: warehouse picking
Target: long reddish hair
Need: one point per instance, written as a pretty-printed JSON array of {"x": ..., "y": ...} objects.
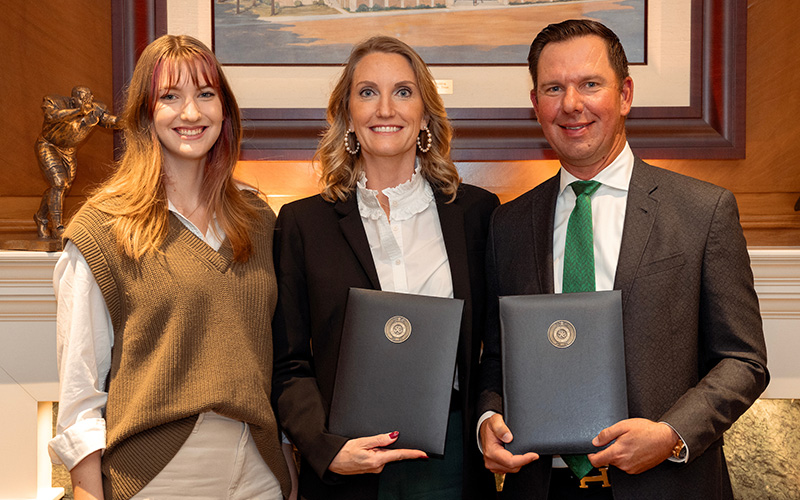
[{"x": 135, "y": 193}]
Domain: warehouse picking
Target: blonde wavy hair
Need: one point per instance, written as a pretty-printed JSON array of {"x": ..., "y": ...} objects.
[
  {"x": 339, "y": 170},
  {"x": 135, "y": 194}
]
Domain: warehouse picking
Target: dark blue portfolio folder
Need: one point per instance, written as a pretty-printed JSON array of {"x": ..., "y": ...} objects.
[
  {"x": 396, "y": 366},
  {"x": 563, "y": 369}
]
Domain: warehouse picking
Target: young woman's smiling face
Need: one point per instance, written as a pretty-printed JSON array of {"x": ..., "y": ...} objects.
[
  {"x": 187, "y": 119},
  {"x": 386, "y": 108}
]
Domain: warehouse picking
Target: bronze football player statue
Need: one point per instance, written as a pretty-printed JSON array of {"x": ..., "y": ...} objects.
[{"x": 68, "y": 121}]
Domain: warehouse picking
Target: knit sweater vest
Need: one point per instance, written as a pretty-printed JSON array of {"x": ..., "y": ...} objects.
[{"x": 192, "y": 333}]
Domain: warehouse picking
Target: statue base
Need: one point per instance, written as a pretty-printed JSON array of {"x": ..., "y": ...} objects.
[{"x": 30, "y": 242}]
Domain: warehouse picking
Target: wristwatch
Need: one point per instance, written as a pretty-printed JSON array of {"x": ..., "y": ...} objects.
[{"x": 679, "y": 451}]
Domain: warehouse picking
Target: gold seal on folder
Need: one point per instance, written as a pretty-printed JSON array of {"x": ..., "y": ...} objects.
[
  {"x": 561, "y": 333},
  {"x": 397, "y": 329}
]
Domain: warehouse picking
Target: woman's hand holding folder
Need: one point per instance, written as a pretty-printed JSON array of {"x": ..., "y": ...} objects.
[{"x": 368, "y": 455}]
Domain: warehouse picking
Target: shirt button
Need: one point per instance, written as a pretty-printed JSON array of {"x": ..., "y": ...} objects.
[
  {"x": 398, "y": 262},
  {"x": 395, "y": 228}
]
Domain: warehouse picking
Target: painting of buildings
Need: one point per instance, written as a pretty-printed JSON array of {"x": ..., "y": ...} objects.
[{"x": 457, "y": 32}]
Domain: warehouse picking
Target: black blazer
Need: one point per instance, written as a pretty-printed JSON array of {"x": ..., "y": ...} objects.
[
  {"x": 321, "y": 251},
  {"x": 694, "y": 345}
]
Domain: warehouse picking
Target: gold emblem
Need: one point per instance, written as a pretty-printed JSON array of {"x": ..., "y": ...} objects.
[
  {"x": 397, "y": 329},
  {"x": 561, "y": 333}
]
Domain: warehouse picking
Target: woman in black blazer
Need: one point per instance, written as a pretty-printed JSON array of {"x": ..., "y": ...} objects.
[{"x": 392, "y": 215}]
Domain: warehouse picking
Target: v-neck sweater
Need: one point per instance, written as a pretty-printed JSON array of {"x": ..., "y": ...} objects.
[{"x": 192, "y": 333}]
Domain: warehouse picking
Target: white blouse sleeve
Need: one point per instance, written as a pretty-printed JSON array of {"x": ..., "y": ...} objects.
[{"x": 84, "y": 335}]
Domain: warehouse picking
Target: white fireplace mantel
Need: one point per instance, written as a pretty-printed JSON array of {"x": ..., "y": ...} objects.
[
  {"x": 29, "y": 380},
  {"x": 28, "y": 375}
]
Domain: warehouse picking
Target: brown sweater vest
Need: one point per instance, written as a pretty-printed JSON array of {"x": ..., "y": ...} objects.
[{"x": 192, "y": 333}]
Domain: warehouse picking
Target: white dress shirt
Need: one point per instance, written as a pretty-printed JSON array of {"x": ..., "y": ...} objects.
[
  {"x": 608, "y": 219},
  {"x": 84, "y": 337}
]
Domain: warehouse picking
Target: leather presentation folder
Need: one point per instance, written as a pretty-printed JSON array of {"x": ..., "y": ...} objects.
[
  {"x": 396, "y": 367},
  {"x": 563, "y": 369}
]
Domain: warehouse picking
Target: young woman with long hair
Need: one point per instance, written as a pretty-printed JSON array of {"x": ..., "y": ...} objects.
[{"x": 165, "y": 292}]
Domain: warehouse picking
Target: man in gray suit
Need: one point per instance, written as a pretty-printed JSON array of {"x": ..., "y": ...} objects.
[{"x": 694, "y": 345}]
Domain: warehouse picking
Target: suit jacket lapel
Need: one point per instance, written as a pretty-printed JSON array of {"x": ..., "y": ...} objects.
[
  {"x": 543, "y": 220},
  {"x": 640, "y": 214},
  {"x": 353, "y": 231},
  {"x": 451, "y": 218}
]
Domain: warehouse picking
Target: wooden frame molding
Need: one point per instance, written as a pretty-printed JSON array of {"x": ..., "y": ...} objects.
[{"x": 712, "y": 126}]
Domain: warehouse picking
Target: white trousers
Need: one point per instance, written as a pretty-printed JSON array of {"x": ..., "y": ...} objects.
[{"x": 219, "y": 460}]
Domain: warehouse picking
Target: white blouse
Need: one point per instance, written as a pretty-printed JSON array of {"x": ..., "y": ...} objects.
[{"x": 408, "y": 247}]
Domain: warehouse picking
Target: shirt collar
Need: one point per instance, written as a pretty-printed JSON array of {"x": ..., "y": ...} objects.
[
  {"x": 213, "y": 237},
  {"x": 616, "y": 175},
  {"x": 406, "y": 200}
]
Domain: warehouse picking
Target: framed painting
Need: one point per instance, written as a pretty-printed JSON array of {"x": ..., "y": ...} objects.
[
  {"x": 688, "y": 99},
  {"x": 443, "y": 32}
]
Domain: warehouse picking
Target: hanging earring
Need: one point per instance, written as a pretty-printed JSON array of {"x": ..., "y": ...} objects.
[
  {"x": 429, "y": 142},
  {"x": 347, "y": 142}
]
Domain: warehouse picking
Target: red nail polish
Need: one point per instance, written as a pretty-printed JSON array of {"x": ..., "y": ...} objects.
[{"x": 394, "y": 434}]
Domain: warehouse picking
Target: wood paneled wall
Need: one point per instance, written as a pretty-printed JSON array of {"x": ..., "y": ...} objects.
[
  {"x": 48, "y": 47},
  {"x": 767, "y": 182}
]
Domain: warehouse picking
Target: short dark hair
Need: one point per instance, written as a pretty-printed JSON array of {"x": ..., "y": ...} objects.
[{"x": 576, "y": 28}]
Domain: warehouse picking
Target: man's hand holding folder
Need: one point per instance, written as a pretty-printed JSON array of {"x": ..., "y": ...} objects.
[{"x": 494, "y": 435}]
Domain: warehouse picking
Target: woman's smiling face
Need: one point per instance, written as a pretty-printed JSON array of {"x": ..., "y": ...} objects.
[
  {"x": 386, "y": 108},
  {"x": 187, "y": 118}
]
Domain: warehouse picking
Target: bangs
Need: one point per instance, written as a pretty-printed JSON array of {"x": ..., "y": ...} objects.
[{"x": 168, "y": 72}]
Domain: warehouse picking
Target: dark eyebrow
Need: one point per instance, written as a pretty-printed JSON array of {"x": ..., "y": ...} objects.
[{"x": 404, "y": 83}]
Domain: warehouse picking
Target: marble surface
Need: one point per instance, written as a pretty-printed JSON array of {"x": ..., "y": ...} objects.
[{"x": 763, "y": 451}]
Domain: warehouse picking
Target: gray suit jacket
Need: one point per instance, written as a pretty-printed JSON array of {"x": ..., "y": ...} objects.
[{"x": 694, "y": 345}]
